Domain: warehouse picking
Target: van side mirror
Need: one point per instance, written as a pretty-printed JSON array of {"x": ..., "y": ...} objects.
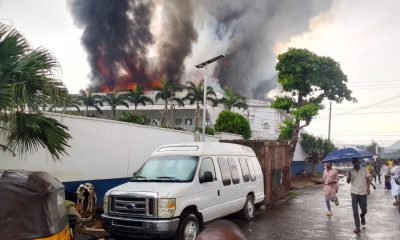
[{"x": 208, "y": 177}]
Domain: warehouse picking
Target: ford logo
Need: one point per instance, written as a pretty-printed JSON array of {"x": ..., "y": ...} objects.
[{"x": 130, "y": 206}]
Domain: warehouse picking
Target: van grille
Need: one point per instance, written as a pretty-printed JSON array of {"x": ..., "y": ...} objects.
[{"x": 132, "y": 206}]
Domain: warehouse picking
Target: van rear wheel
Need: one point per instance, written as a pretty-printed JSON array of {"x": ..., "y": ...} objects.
[
  {"x": 188, "y": 227},
  {"x": 248, "y": 209}
]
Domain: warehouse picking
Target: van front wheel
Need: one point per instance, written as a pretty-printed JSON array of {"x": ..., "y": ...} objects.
[
  {"x": 248, "y": 209},
  {"x": 188, "y": 227}
]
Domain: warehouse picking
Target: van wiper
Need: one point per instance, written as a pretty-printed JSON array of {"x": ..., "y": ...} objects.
[
  {"x": 167, "y": 177},
  {"x": 170, "y": 179},
  {"x": 138, "y": 179}
]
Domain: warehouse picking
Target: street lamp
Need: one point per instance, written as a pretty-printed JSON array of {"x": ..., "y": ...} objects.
[{"x": 202, "y": 65}]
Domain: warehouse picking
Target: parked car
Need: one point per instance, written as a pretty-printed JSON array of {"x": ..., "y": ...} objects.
[{"x": 182, "y": 186}]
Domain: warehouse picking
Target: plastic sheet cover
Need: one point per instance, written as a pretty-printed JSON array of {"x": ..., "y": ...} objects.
[{"x": 31, "y": 205}]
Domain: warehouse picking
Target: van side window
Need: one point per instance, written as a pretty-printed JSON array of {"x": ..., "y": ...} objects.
[
  {"x": 245, "y": 169},
  {"x": 252, "y": 170},
  {"x": 234, "y": 170},
  {"x": 207, "y": 165},
  {"x": 226, "y": 174}
]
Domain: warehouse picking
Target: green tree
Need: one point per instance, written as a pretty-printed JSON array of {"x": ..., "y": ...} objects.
[
  {"x": 195, "y": 94},
  {"x": 316, "y": 148},
  {"x": 136, "y": 96},
  {"x": 115, "y": 99},
  {"x": 307, "y": 79},
  {"x": 65, "y": 102},
  {"x": 232, "y": 100},
  {"x": 167, "y": 93},
  {"x": 27, "y": 80},
  {"x": 231, "y": 122},
  {"x": 88, "y": 99}
]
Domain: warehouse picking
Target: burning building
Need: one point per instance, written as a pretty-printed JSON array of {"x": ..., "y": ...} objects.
[{"x": 131, "y": 42}]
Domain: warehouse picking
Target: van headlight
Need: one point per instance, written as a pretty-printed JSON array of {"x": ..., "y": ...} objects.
[
  {"x": 105, "y": 204},
  {"x": 166, "y": 207}
]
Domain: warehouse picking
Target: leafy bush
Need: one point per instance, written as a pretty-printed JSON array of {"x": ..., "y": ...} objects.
[
  {"x": 133, "y": 117},
  {"x": 230, "y": 122},
  {"x": 209, "y": 130}
]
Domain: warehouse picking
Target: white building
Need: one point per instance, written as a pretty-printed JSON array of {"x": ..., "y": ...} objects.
[{"x": 264, "y": 121}]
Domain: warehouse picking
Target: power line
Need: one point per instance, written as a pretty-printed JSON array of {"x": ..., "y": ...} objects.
[
  {"x": 366, "y": 107},
  {"x": 347, "y": 108},
  {"x": 373, "y": 81}
]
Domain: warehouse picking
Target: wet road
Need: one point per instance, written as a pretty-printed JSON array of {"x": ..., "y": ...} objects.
[{"x": 304, "y": 218}]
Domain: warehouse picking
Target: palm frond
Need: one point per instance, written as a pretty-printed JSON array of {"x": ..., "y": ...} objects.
[{"x": 30, "y": 131}]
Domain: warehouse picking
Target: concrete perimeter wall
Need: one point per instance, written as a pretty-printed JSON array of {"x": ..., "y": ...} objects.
[{"x": 101, "y": 150}]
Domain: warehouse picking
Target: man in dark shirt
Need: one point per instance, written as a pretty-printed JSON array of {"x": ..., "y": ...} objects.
[{"x": 377, "y": 170}]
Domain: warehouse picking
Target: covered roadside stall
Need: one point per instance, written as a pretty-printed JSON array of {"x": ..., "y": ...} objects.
[{"x": 32, "y": 206}]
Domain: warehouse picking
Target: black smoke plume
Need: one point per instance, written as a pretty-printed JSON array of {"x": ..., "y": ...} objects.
[
  {"x": 116, "y": 35},
  {"x": 176, "y": 43},
  {"x": 252, "y": 29}
]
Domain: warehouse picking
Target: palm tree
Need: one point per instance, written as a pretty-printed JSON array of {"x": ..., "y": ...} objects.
[
  {"x": 195, "y": 95},
  {"x": 167, "y": 93},
  {"x": 64, "y": 102},
  {"x": 136, "y": 96},
  {"x": 88, "y": 99},
  {"x": 232, "y": 100},
  {"x": 27, "y": 80},
  {"x": 180, "y": 102},
  {"x": 114, "y": 99}
]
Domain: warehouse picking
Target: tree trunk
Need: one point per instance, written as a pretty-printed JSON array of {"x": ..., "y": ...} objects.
[
  {"x": 164, "y": 115},
  {"x": 172, "y": 116},
  {"x": 87, "y": 109},
  {"x": 113, "y": 113},
  {"x": 293, "y": 142},
  {"x": 313, "y": 163},
  {"x": 196, "y": 119}
]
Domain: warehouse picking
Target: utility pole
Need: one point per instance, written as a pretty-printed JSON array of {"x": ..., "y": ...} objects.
[
  {"x": 202, "y": 65},
  {"x": 330, "y": 116}
]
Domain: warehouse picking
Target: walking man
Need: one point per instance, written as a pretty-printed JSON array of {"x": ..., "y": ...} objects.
[
  {"x": 360, "y": 180},
  {"x": 331, "y": 179},
  {"x": 377, "y": 170}
]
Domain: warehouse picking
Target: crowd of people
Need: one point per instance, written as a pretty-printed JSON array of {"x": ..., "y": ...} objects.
[{"x": 361, "y": 179}]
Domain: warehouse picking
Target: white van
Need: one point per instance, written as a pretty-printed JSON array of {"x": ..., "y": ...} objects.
[{"x": 182, "y": 186}]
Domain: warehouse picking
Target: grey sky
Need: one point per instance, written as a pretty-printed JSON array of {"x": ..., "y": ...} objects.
[{"x": 363, "y": 35}]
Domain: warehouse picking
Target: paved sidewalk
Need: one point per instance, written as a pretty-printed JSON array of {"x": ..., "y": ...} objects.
[{"x": 304, "y": 218}]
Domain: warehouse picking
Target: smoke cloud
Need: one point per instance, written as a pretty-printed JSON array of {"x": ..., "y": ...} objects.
[
  {"x": 144, "y": 41},
  {"x": 251, "y": 30},
  {"x": 116, "y": 35}
]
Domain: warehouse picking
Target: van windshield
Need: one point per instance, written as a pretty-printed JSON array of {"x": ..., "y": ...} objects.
[{"x": 167, "y": 169}]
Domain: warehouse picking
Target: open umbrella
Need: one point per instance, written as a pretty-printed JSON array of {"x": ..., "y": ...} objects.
[{"x": 346, "y": 154}]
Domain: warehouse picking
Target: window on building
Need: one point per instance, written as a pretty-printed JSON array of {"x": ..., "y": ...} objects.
[
  {"x": 234, "y": 170},
  {"x": 188, "y": 121},
  {"x": 225, "y": 172},
  {"x": 207, "y": 165},
  {"x": 245, "y": 169},
  {"x": 155, "y": 121},
  {"x": 178, "y": 121}
]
